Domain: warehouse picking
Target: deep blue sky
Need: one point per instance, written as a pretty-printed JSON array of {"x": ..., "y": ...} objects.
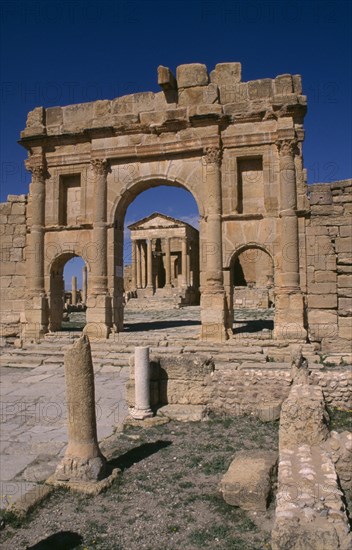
[{"x": 57, "y": 53}]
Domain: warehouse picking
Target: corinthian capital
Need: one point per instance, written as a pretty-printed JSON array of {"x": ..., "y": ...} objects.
[
  {"x": 38, "y": 169},
  {"x": 212, "y": 155},
  {"x": 287, "y": 147},
  {"x": 100, "y": 166}
]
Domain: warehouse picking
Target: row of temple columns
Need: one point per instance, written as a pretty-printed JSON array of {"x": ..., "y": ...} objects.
[{"x": 142, "y": 263}]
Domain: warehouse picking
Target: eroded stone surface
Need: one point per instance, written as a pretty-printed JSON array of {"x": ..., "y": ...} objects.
[{"x": 247, "y": 483}]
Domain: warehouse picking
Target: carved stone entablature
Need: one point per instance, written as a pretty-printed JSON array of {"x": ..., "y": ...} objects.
[
  {"x": 287, "y": 147},
  {"x": 212, "y": 155},
  {"x": 100, "y": 167}
]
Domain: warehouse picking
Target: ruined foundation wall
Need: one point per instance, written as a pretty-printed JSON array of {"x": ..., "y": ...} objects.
[
  {"x": 12, "y": 266},
  {"x": 243, "y": 391},
  {"x": 329, "y": 265}
]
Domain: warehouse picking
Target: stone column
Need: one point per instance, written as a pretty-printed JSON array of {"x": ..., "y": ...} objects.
[
  {"x": 167, "y": 263},
  {"x": 74, "y": 291},
  {"x": 184, "y": 263},
  {"x": 150, "y": 264},
  {"x": 213, "y": 302},
  {"x": 84, "y": 284},
  {"x": 138, "y": 263},
  {"x": 36, "y": 308},
  {"x": 83, "y": 460},
  {"x": 134, "y": 265},
  {"x": 144, "y": 264},
  {"x": 99, "y": 302},
  {"x": 289, "y": 305},
  {"x": 142, "y": 408}
]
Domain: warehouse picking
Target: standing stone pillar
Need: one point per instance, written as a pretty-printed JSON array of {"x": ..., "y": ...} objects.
[
  {"x": 36, "y": 310},
  {"x": 144, "y": 264},
  {"x": 134, "y": 265},
  {"x": 142, "y": 408},
  {"x": 289, "y": 303},
  {"x": 84, "y": 284},
  {"x": 184, "y": 263},
  {"x": 138, "y": 264},
  {"x": 167, "y": 263},
  {"x": 83, "y": 460},
  {"x": 150, "y": 264},
  {"x": 99, "y": 313},
  {"x": 213, "y": 303},
  {"x": 74, "y": 291}
]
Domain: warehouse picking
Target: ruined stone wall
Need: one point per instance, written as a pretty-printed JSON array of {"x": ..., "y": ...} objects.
[
  {"x": 12, "y": 266},
  {"x": 329, "y": 265},
  {"x": 242, "y": 391}
]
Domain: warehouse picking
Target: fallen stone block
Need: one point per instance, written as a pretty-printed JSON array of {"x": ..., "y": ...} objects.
[
  {"x": 184, "y": 413},
  {"x": 247, "y": 483}
]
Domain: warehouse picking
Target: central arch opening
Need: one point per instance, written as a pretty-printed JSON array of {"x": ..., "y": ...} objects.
[
  {"x": 252, "y": 282},
  {"x": 157, "y": 257},
  {"x": 68, "y": 293}
]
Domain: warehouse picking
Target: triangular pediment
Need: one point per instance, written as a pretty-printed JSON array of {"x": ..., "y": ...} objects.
[{"x": 157, "y": 220}]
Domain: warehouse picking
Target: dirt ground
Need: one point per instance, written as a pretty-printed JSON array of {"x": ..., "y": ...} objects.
[{"x": 166, "y": 497}]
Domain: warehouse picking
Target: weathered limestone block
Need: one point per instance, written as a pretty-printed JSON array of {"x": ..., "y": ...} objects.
[
  {"x": 299, "y": 367},
  {"x": 193, "y": 74},
  {"x": 283, "y": 85},
  {"x": 186, "y": 366},
  {"x": 321, "y": 301},
  {"x": 260, "y": 89},
  {"x": 83, "y": 460},
  {"x": 247, "y": 483},
  {"x": 345, "y": 327},
  {"x": 198, "y": 94},
  {"x": 303, "y": 417},
  {"x": 339, "y": 447},
  {"x": 35, "y": 123},
  {"x": 226, "y": 74},
  {"x": 166, "y": 79}
]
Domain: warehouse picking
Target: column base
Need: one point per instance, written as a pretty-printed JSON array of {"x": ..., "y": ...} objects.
[
  {"x": 99, "y": 319},
  {"x": 213, "y": 316},
  {"x": 141, "y": 414},
  {"x": 289, "y": 316},
  {"x": 36, "y": 323}
]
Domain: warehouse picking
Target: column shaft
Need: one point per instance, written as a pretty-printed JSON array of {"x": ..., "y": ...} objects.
[
  {"x": 150, "y": 263},
  {"x": 74, "y": 291},
  {"x": 84, "y": 284},
  {"x": 138, "y": 263},
  {"x": 134, "y": 265},
  {"x": 167, "y": 262},
  {"x": 99, "y": 265},
  {"x": 184, "y": 262}
]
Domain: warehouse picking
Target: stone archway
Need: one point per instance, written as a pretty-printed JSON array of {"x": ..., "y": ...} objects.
[
  {"x": 251, "y": 278},
  {"x": 116, "y": 238},
  {"x": 57, "y": 289}
]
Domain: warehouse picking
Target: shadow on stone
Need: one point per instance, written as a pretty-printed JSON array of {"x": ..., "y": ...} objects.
[
  {"x": 158, "y": 325},
  {"x": 64, "y": 540},
  {"x": 138, "y": 454},
  {"x": 253, "y": 326}
]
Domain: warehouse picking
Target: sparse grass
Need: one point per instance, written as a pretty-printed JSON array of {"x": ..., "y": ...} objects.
[
  {"x": 166, "y": 496},
  {"x": 340, "y": 420}
]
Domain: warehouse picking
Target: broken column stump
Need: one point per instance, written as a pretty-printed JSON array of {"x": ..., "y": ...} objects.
[
  {"x": 142, "y": 408},
  {"x": 83, "y": 466}
]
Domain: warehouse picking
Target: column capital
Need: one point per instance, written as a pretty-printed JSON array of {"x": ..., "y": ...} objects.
[
  {"x": 38, "y": 169},
  {"x": 287, "y": 147},
  {"x": 100, "y": 167},
  {"x": 212, "y": 155}
]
